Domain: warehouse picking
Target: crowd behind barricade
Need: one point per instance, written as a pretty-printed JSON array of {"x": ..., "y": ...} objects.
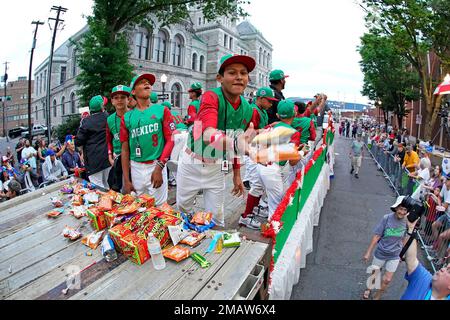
[
  {"x": 145, "y": 146},
  {"x": 407, "y": 165}
]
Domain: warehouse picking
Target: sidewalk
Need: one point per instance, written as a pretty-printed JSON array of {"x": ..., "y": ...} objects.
[{"x": 351, "y": 210}]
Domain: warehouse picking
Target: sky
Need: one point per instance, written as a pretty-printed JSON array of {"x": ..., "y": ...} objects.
[{"x": 314, "y": 42}]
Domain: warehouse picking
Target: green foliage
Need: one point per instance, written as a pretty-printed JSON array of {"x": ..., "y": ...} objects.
[
  {"x": 103, "y": 52},
  {"x": 69, "y": 126},
  {"x": 387, "y": 75}
]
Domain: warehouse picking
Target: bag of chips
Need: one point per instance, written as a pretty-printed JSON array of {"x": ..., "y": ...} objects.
[
  {"x": 55, "y": 213},
  {"x": 71, "y": 233},
  {"x": 193, "y": 239},
  {"x": 77, "y": 200},
  {"x": 93, "y": 239},
  {"x": 78, "y": 212},
  {"x": 176, "y": 253},
  {"x": 203, "y": 218},
  {"x": 105, "y": 203},
  {"x": 147, "y": 201}
]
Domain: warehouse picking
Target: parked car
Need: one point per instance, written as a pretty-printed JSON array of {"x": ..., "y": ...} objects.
[
  {"x": 16, "y": 132},
  {"x": 38, "y": 129}
]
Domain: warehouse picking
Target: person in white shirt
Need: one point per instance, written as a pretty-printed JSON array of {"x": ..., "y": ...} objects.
[
  {"x": 53, "y": 169},
  {"x": 29, "y": 154},
  {"x": 423, "y": 176}
]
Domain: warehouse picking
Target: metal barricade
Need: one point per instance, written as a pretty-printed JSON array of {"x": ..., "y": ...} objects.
[{"x": 434, "y": 225}]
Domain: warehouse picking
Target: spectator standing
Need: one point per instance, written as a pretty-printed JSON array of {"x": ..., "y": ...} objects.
[
  {"x": 19, "y": 147},
  {"x": 356, "y": 154},
  {"x": 410, "y": 163},
  {"x": 92, "y": 137},
  {"x": 347, "y": 129},
  {"x": 388, "y": 241},
  {"x": 422, "y": 175},
  {"x": 195, "y": 93},
  {"x": 29, "y": 154}
]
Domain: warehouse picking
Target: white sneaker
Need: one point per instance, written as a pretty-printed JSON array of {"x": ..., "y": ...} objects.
[
  {"x": 261, "y": 212},
  {"x": 249, "y": 222}
]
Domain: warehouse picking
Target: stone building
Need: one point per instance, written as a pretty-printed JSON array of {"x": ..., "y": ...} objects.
[{"x": 187, "y": 52}]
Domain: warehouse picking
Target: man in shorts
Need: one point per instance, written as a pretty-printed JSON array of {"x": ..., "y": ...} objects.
[{"x": 389, "y": 240}]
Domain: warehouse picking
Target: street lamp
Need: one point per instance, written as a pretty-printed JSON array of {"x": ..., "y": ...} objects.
[{"x": 163, "y": 81}]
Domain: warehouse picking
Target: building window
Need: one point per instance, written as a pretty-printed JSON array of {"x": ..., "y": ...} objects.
[
  {"x": 37, "y": 112},
  {"x": 231, "y": 43},
  {"x": 176, "y": 95},
  {"x": 63, "y": 75},
  {"x": 265, "y": 59},
  {"x": 260, "y": 56},
  {"x": 225, "y": 41},
  {"x": 45, "y": 80},
  {"x": 268, "y": 60},
  {"x": 44, "y": 110},
  {"x": 202, "y": 63},
  {"x": 160, "y": 47},
  {"x": 63, "y": 105},
  {"x": 199, "y": 21},
  {"x": 74, "y": 63},
  {"x": 142, "y": 44},
  {"x": 194, "y": 61},
  {"x": 72, "y": 103},
  {"x": 177, "y": 51},
  {"x": 54, "y": 108}
]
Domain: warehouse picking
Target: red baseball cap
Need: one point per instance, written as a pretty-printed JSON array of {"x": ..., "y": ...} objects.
[{"x": 247, "y": 61}]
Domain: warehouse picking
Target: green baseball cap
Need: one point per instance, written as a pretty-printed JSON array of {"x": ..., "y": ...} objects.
[
  {"x": 154, "y": 97},
  {"x": 195, "y": 86},
  {"x": 167, "y": 104},
  {"x": 96, "y": 103},
  {"x": 120, "y": 89},
  {"x": 150, "y": 77},
  {"x": 286, "y": 109},
  {"x": 229, "y": 59},
  {"x": 277, "y": 75},
  {"x": 266, "y": 92}
]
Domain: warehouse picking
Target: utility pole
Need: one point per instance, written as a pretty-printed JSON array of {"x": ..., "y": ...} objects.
[
  {"x": 58, "y": 10},
  {"x": 33, "y": 46},
  {"x": 5, "y": 80}
]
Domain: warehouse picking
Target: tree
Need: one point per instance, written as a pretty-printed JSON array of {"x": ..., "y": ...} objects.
[
  {"x": 418, "y": 28},
  {"x": 69, "y": 126},
  {"x": 387, "y": 75},
  {"x": 103, "y": 52}
]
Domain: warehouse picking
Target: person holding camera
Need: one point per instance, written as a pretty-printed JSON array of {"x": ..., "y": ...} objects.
[
  {"x": 422, "y": 285},
  {"x": 388, "y": 241}
]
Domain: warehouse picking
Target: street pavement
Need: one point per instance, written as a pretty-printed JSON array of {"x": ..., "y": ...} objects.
[{"x": 352, "y": 208}]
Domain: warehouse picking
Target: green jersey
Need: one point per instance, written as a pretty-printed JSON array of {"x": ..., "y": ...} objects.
[
  {"x": 228, "y": 119},
  {"x": 303, "y": 125},
  {"x": 263, "y": 116},
  {"x": 145, "y": 129},
  {"x": 179, "y": 124},
  {"x": 113, "y": 122}
]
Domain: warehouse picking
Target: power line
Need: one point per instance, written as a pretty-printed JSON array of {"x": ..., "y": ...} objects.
[{"x": 57, "y": 20}]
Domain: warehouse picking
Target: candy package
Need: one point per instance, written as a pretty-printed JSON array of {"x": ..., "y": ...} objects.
[
  {"x": 91, "y": 197},
  {"x": 127, "y": 208},
  {"x": 231, "y": 240},
  {"x": 193, "y": 239},
  {"x": 66, "y": 189},
  {"x": 127, "y": 199},
  {"x": 167, "y": 208},
  {"x": 71, "y": 233},
  {"x": 105, "y": 203},
  {"x": 57, "y": 203},
  {"x": 78, "y": 212},
  {"x": 147, "y": 201},
  {"x": 97, "y": 217},
  {"x": 203, "y": 218},
  {"x": 55, "y": 213},
  {"x": 176, "y": 253},
  {"x": 77, "y": 200},
  {"x": 93, "y": 239}
]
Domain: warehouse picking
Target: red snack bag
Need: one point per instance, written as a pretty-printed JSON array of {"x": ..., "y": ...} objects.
[
  {"x": 105, "y": 203},
  {"x": 127, "y": 199},
  {"x": 203, "y": 218},
  {"x": 77, "y": 200},
  {"x": 147, "y": 201},
  {"x": 167, "y": 208},
  {"x": 176, "y": 253}
]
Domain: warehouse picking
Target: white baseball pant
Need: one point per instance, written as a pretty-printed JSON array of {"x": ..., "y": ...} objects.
[
  {"x": 101, "y": 178},
  {"x": 272, "y": 177},
  {"x": 247, "y": 163},
  {"x": 192, "y": 176},
  {"x": 180, "y": 141},
  {"x": 141, "y": 174}
]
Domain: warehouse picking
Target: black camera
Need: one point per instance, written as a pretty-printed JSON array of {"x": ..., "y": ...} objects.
[{"x": 415, "y": 208}]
